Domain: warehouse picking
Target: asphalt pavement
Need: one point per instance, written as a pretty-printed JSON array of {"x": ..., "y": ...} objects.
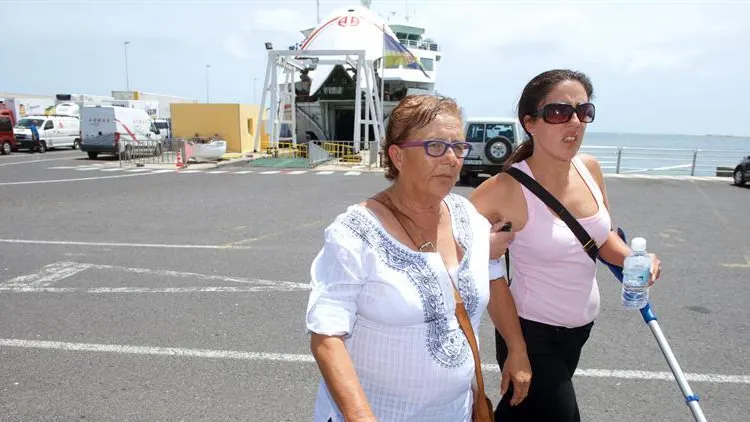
[{"x": 142, "y": 295}]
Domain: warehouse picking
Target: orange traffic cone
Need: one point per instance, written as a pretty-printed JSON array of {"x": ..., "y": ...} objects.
[{"x": 179, "y": 159}]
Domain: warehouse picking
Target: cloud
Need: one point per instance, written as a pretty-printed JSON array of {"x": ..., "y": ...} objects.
[
  {"x": 237, "y": 47},
  {"x": 635, "y": 38},
  {"x": 280, "y": 20}
]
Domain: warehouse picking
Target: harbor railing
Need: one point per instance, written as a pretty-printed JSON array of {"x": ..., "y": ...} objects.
[{"x": 666, "y": 161}]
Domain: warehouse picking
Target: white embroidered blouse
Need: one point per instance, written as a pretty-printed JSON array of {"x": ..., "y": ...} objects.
[{"x": 396, "y": 309}]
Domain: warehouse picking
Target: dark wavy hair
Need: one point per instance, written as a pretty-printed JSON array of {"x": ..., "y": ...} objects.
[{"x": 531, "y": 98}]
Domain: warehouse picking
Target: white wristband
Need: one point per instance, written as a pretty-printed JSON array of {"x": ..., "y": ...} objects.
[{"x": 497, "y": 268}]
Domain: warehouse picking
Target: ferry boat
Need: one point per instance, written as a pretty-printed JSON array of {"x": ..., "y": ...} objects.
[{"x": 325, "y": 100}]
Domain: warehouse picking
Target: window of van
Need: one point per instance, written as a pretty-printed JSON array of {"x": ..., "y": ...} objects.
[
  {"x": 5, "y": 125},
  {"x": 26, "y": 123},
  {"x": 49, "y": 125}
]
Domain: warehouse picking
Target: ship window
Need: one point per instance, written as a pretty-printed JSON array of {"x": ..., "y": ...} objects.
[{"x": 428, "y": 64}]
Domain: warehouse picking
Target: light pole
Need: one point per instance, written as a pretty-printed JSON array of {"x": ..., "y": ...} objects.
[
  {"x": 208, "y": 66},
  {"x": 255, "y": 92},
  {"x": 127, "y": 75}
]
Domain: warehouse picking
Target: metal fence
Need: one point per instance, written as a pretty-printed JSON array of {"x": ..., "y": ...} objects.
[
  {"x": 152, "y": 152},
  {"x": 665, "y": 161}
]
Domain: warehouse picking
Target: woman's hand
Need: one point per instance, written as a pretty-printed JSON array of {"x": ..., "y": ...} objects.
[
  {"x": 517, "y": 370},
  {"x": 655, "y": 269},
  {"x": 499, "y": 240}
]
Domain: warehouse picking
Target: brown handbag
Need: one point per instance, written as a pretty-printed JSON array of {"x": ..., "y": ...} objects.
[{"x": 483, "y": 408}]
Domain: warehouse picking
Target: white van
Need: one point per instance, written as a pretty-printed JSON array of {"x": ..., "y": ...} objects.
[
  {"x": 118, "y": 130},
  {"x": 55, "y": 131}
]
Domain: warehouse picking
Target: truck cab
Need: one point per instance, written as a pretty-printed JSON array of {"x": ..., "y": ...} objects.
[
  {"x": 7, "y": 138},
  {"x": 492, "y": 140}
]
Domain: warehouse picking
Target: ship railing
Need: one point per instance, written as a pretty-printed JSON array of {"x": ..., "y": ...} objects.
[{"x": 666, "y": 161}]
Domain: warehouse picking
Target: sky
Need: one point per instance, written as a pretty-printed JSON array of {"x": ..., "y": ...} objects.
[{"x": 657, "y": 66}]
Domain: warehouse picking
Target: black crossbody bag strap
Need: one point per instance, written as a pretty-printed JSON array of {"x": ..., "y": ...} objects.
[{"x": 588, "y": 243}]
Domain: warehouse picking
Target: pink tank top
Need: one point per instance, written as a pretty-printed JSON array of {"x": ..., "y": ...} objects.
[{"x": 553, "y": 278}]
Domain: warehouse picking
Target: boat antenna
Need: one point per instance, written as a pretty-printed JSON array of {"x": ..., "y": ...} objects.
[{"x": 317, "y": 5}]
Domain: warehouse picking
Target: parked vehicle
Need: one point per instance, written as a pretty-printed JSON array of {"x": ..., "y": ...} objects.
[
  {"x": 118, "y": 130},
  {"x": 492, "y": 141},
  {"x": 55, "y": 131},
  {"x": 742, "y": 172},
  {"x": 7, "y": 139}
]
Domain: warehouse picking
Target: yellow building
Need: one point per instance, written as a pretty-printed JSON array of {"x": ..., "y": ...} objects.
[{"x": 234, "y": 123}]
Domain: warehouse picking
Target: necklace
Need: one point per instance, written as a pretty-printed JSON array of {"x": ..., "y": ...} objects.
[{"x": 388, "y": 203}]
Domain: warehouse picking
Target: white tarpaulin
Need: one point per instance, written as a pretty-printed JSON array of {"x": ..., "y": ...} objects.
[{"x": 352, "y": 28}]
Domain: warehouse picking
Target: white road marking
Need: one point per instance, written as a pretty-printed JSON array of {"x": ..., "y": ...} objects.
[
  {"x": 302, "y": 358},
  {"x": 182, "y": 274},
  {"x": 101, "y": 290},
  {"x": 298, "y": 172},
  {"x": 69, "y": 157},
  {"x": 243, "y": 172},
  {"x": 116, "y": 244},
  {"x": 34, "y": 182},
  {"x": 189, "y": 171},
  {"x": 324, "y": 172},
  {"x": 86, "y": 168},
  {"x": 162, "y": 171},
  {"x": 270, "y": 172},
  {"x": 39, "y": 281},
  {"x": 217, "y": 172},
  {"x": 114, "y": 169},
  {"x": 352, "y": 173},
  {"x": 46, "y": 276},
  {"x": 138, "y": 170},
  {"x": 62, "y": 167}
]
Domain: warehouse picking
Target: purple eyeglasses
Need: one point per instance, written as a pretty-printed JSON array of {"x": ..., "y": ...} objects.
[{"x": 438, "y": 148}]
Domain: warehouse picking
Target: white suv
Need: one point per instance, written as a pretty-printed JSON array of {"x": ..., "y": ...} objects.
[{"x": 492, "y": 141}]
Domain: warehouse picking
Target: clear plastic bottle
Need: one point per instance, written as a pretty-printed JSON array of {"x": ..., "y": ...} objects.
[{"x": 636, "y": 274}]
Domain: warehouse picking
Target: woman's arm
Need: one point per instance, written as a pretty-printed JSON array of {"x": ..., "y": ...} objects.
[
  {"x": 504, "y": 316},
  {"x": 488, "y": 199},
  {"x": 337, "y": 370},
  {"x": 614, "y": 250},
  {"x": 337, "y": 278}
]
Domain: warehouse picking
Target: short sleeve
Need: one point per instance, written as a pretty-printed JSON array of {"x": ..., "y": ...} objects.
[{"x": 337, "y": 277}]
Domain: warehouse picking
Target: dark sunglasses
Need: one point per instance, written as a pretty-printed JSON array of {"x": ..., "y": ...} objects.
[
  {"x": 438, "y": 148},
  {"x": 556, "y": 113}
]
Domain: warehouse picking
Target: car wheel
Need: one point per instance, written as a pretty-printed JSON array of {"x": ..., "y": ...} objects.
[
  {"x": 6, "y": 148},
  {"x": 498, "y": 149},
  {"x": 739, "y": 177},
  {"x": 76, "y": 144},
  {"x": 42, "y": 147},
  {"x": 93, "y": 155}
]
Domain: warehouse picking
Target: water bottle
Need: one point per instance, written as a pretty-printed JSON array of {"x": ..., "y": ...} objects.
[{"x": 636, "y": 274}]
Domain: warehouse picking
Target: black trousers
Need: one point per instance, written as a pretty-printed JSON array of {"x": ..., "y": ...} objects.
[{"x": 553, "y": 355}]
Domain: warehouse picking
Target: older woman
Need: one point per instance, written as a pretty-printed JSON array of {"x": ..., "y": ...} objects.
[{"x": 393, "y": 277}]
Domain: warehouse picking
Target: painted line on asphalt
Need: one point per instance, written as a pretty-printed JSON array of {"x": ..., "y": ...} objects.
[
  {"x": 324, "y": 173},
  {"x": 301, "y": 358},
  {"x": 37, "y": 161},
  {"x": 40, "y": 281},
  {"x": 119, "y": 244},
  {"x": 103, "y": 290},
  {"x": 35, "y": 182},
  {"x": 48, "y": 275}
]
